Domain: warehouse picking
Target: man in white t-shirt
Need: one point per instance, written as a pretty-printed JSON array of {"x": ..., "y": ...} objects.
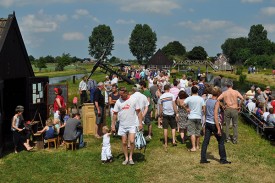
[
  {"x": 196, "y": 106},
  {"x": 169, "y": 114},
  {"x": 142, "y": 101},
  {"x": 114, "y": 80},
  {"x": 183, "y": 82},
  {"x": 126, "y": 109}
]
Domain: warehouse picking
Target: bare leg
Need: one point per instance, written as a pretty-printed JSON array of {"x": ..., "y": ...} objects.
[
  {"x": 165, "y": 133},
  {"x": 193, "y": 141},
  {"x": 124, "y": 147},
  {"x": 174, "y": 136},
  {"x": 197, "y": 142},
  {"x": 132, "y": 145},
  {"x": 182, "y": 135}
]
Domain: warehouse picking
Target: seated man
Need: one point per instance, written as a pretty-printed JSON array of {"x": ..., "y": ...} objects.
[{"x": 73, "y": 130}]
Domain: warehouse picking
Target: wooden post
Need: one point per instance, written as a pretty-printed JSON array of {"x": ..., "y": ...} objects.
[{"x": 73, "y": 79}]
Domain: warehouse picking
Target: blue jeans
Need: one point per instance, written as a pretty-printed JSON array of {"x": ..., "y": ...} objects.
[
  {"x": 209, "y": 129},
  {"x": 92, "y": 91},
  {"x": 79, "y": 136}
]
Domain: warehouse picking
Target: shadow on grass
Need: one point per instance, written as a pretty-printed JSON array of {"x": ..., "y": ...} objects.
[
  {"x": 138, "y": 156},
  {"x": 210, "y": 156}
]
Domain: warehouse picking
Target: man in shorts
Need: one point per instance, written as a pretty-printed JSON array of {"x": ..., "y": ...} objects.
[
  {"x": 196, "y": 106},
  {"x": 169, "y": 114},
  {"x": 126, "y": 109}
]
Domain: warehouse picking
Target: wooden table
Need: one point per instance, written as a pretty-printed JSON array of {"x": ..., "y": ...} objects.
[{"x": 39, "y": 140}]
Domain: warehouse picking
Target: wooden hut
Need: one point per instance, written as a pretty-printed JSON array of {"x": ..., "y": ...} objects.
[
  {"x": 18, "y": 85},
  {"x": 159, "y": 61}
]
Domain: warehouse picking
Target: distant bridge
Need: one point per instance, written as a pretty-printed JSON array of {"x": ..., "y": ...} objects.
[{"x": 195, "y": 62}]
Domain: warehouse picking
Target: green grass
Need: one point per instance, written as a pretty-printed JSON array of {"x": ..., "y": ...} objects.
[{"x": 252, "y": 161}]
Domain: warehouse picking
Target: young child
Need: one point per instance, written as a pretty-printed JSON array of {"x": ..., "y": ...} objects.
[
  {"x": 48, "y": 129},
  {"x": 56, "y": 123},
  {"x": 106, "y": 154}
]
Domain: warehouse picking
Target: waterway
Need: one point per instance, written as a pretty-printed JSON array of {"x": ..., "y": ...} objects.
[{"x": 56, "y": 80}]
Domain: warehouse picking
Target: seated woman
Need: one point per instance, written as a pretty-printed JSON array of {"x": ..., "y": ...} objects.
[
  {"x": 251, "y": 93},
  {"x": 271, "y": 118},
  {"x": 18, "y": 128},
  {"x": 259, "y": 112},
  {"x": 48, "y": 129}
]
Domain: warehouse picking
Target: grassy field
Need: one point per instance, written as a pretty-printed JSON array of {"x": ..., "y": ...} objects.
[{"x": 253, "y": 160}]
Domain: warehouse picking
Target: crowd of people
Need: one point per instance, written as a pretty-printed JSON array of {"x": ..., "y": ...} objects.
[
  {"x": 188, "y": 106},
  {"x": 261, "y": 104}
]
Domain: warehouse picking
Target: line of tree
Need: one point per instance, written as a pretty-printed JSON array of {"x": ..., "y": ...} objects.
[
  {"x": 61, "y": 61},
  {"x": 254, "y": 50}
]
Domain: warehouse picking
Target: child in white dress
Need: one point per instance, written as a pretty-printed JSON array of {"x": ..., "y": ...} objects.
[{"x": 106, "y": 154}]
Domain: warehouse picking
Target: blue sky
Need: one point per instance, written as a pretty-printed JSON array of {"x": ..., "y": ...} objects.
[{"x": 53, "y": 27}]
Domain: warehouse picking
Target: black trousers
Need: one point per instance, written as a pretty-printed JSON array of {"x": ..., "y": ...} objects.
[
  {"x": 83, "y": 97},
  {"x": 209, "y": 129}
]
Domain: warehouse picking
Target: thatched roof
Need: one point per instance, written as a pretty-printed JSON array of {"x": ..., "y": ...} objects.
[{"x": 159, "y": 59}]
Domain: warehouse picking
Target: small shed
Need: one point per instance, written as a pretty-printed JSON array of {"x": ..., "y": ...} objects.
[
  {"x": 159, "y": 61},
  {"x": 18, "y": 84},
  {"x": 222, "y": 63}
]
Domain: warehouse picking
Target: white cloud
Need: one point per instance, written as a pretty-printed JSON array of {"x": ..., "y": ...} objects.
[
  {"x": 205, "y": 25},
  {"x": 72, "y": 36},
  {"x": 268, "y": 11},
  {"x": 10, "y": 3},
  {"x": 84, "y": 13},
  {"x": 152, "y": 6},
  {"x": 251, "y": 1},
  {"x": 270, "y": 28},
  {"x": 6, "y": 3},
  {"x": 236, "y": 31},
  {"x": 41, "y": 22},
  {"x": 121, "y": 21}
]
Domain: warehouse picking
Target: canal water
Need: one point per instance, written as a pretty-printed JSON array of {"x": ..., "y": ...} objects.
[{"x": 56, "y": 80}]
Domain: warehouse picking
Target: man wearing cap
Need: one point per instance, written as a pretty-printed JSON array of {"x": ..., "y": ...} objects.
[
  {"x": 99, "y": 108},
  {"x": 231, "y": 107},
  {"x": 262, "y": 98}
]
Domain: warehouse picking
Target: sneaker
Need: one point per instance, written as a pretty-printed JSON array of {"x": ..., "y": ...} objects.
[
  {"x": 225, "y": 162},
  {"x": 159, "y": 126},
  {"x": 228, "y": 140},
  {"x": 148, "y": 137},
  {"x": 131, "y": 162},
  {"x": 125, "y": 162},
  {"x": 82, "y": 145}
]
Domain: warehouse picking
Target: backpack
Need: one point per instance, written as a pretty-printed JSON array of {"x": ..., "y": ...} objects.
[{"x": 140, "y": 141}]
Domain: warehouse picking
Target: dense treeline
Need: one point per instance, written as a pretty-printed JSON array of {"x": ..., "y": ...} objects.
[{"x": 254, "y": 50}]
